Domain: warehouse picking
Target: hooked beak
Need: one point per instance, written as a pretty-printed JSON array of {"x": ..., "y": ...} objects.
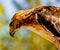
[{"x": 12, "y": 34}]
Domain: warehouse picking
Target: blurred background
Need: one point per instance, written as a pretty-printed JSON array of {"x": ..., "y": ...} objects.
[{"x": 24, "y": 39}]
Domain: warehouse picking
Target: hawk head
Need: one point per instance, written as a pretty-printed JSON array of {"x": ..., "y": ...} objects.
[
  {"x": 44, "y": 21},
  {"x": 45, "y": 16}
]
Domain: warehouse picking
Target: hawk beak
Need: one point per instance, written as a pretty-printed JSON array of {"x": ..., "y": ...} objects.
[{"x": 12, "y": 34}]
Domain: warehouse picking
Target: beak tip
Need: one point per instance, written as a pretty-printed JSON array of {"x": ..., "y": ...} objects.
[{"x": 12, "y": 34}]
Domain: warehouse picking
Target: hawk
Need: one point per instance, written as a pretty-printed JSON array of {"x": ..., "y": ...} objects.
[{"x": 43, "y": 20}]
